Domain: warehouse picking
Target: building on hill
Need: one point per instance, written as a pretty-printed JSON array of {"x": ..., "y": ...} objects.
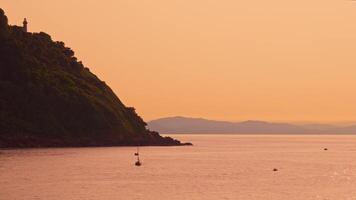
[{"x": 24, "y": 28}]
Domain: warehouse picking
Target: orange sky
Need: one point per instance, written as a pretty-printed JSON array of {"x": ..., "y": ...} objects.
[{"x": 233, "y": 60}]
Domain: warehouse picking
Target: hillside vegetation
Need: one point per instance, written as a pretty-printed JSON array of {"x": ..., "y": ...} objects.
[{"x": 48, "y": 98}]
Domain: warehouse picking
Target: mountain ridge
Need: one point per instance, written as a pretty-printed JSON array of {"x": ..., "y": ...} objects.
[{"x": 179, "y": 124}]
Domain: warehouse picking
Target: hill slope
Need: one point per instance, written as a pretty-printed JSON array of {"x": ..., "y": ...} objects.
[{"x": 48, "y": 98}]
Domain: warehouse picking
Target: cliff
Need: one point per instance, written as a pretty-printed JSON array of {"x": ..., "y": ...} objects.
[{"x": 48, "y": 98}]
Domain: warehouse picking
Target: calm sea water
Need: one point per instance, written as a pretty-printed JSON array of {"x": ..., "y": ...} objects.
[{"x": 216, "y": 167}]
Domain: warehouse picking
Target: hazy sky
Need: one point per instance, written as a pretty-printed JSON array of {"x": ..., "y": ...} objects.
[{"x": 234, "y": 60}]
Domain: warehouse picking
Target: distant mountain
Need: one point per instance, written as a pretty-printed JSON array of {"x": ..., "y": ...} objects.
[
  {"x": 199, "y": 125},
  {"x": 49, "y": 98}
]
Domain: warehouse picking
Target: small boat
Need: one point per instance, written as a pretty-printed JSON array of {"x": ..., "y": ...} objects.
[{"x": 138, "y": 162}]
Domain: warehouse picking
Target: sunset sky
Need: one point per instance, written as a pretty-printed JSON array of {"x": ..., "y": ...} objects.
[{"x": 235, "y": 60}]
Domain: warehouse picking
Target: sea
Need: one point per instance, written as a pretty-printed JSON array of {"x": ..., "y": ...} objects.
[{"x": 236, "y": 167}]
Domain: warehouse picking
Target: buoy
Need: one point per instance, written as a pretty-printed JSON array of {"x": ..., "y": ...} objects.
[
  {"x": 325, "y": 149},
  {"x": 275, "y": 169}
]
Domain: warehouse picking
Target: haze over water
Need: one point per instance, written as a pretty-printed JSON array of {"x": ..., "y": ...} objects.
[{"x": 216, "y": 167}]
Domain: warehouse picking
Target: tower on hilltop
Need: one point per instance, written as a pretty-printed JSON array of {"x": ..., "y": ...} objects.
[{"x": 24, "y": 28}]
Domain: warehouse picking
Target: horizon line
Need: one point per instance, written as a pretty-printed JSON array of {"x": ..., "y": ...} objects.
[{"x": 296, "y": 122}]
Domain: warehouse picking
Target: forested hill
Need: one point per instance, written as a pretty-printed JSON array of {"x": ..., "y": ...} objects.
[{"x": 48, "y": 98}]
